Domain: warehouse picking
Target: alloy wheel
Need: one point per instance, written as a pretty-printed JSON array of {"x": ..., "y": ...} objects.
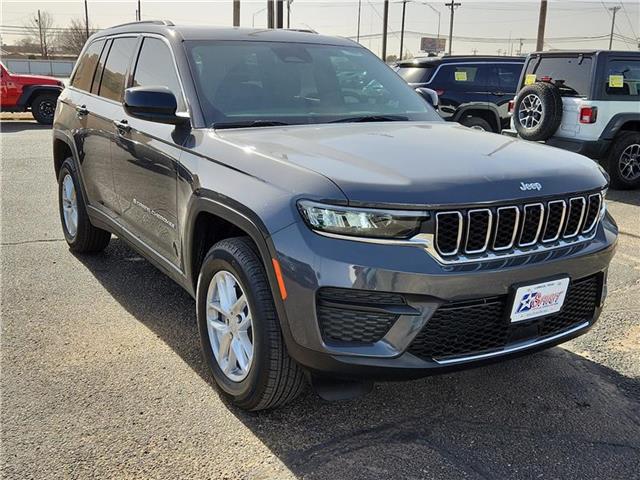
[
  {"x": 230, "y": 326},
  {"x": 629, "y": 162},
  {"x": 530, "y": 111},
  {"x": 69, "y": 205}
]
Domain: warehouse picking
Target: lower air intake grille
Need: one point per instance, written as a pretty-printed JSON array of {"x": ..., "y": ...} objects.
[
  {"x": 480, "y": 326},
  {"x": 345, "y": 315}
]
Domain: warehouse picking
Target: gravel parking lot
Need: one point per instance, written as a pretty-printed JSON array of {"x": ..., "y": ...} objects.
[{"x": 102, "y": 377}]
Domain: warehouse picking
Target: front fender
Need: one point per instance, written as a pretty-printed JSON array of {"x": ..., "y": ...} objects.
[{"x": 29, "y": 92}]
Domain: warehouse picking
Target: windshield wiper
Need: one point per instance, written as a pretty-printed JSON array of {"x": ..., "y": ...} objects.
[
  {"x": 372, "y": 118},
  {"x": 249, "y": 123}
]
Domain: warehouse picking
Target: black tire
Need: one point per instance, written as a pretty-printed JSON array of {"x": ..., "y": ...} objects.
[
  {"x": 624, "y": 180},
  {"x": 477, "y": 123},
  {"x": 43, "y": 108},
  {"x": 274, "y": 378},
  {"x": 550, "y": 117},
  {"x": 87, "y": 238}
]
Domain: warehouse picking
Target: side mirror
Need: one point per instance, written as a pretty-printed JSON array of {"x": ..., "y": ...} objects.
[
  {"x": 429, "y": 95},
  {"x": 155, "y": 104}
]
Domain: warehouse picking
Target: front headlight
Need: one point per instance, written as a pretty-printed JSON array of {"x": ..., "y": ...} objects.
[{"x": 361, "y": 222}]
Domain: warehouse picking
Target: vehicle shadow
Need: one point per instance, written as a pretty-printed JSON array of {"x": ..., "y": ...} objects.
[
  {"x": 16, "y": 126},
  {"x": 632, "y": 197},
  {"x": 553, "y": 414}
]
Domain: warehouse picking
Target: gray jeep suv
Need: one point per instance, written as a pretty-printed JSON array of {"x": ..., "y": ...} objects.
[{"x": 330, "y": 226}]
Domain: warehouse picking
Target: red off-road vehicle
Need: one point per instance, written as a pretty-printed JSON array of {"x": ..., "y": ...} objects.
[{"x": 20, "y": 93}]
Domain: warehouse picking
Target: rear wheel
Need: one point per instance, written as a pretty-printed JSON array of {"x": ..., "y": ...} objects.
[
  {"x": 623, "y": 164},
  {"x": 79, "y": 233},
  {"x": 43, "y": 108},
  {"x": 239, "y": 329},
  {"x": 477, "y": 123}
]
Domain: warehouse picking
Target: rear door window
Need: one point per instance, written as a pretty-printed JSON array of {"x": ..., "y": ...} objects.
[
  {"x": 116, "y": 67},
  {"x": 417, "y": 74},
  {"x": 505, "y": 77},
  {"x": 572, "y": 75},
  {"x": 87, "y": 66},
  {"x": 623, "y": 78},
  {"x": 462, "y": 77}
]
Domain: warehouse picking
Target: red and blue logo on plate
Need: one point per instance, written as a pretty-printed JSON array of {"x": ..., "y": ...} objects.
[{"x": 535, "y": 300}]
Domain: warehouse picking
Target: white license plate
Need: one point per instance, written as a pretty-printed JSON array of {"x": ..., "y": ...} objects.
[{"x": 532, "y": 301}]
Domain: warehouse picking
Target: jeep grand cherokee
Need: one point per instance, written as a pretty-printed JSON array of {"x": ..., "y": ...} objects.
[{"x": 328, "y": 223}]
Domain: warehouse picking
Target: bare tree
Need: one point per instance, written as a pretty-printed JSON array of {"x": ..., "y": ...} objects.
[
  {"x": 73, "y": 37},
  {"x": 40, "y": 28}
]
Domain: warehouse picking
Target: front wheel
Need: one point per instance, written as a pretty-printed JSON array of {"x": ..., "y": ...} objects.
[
  {"x": 43, "y": 108},
  {"x": 623, "y": 163},
  {"x": 239, "y": 329},
  {"x": 477, "y": 123}
]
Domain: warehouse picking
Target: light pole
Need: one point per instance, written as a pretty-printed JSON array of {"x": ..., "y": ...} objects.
[
  {"x": 385, "y": 26},
  {"x": 404, "y": 9},
  {"x": 453, "y": 6},
  {"x": 86, "y": 19},
  {"x": 613, "y": 24},
  {"x": 359, "y": 9}
]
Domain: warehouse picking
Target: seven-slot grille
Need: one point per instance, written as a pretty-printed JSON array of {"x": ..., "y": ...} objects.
[{"x": 475, "y": 231}]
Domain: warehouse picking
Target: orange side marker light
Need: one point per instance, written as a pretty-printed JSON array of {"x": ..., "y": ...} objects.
[{"x": 283, "y": 289}]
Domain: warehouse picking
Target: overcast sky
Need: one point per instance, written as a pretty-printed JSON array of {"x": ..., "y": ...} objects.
[{"x": 486, "y": 27}]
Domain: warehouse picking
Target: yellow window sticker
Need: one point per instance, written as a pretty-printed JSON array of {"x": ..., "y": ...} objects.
[
  {"x": 461, "y": 76},
  {"x": 530, "y": 79},
  {"x": 616, "y": 81}
]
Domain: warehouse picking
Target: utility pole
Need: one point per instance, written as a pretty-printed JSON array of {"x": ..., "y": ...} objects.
[
  {"x": 520, "y": 48},
  {"x": 359, "y": 9},
  {"x": 279, "y": 13},
  {"x": 138, "y": 12},
  {"x": 453, "y": 6},
  {"x": 236, "y": 13},
  {"x": 542, "y": 20},
  {"x": 269, "y": 13},
  {"x": 42, "y": 49},
  {"x": 613, "y": 24},
  {"x": 404, "y": 8},
  {"x": 289, "y": 2},
  {"x": 86, "y": 19},
  {"x": 385, "y": 26}
]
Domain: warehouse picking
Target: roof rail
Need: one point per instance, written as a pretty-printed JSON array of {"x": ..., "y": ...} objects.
[{"x": 167, "y": 23}]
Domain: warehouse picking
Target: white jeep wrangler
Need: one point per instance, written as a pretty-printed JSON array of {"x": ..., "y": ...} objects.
[{"x": 587, "y": 102}]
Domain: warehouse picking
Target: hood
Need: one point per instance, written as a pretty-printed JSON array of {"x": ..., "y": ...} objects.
[
  {"x": 37, "y": 80},
  {"x": 423, "y": 163}
]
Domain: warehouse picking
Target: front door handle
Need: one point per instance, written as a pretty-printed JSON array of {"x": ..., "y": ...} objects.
[
  {"x": 122, "y": 126},
  {"x": 81, "y": 111}
]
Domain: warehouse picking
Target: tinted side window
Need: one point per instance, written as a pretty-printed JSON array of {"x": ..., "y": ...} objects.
[
  {"x": 505, "y": 77},
  {"x": 155, "y": 67},
  {"x": 461, "y": 77},
  {"x": 115, "y": 69},
  {"x": 623, "y": 78},
  {"x": 572, "y": 75},
  {"x": 87, "y": 66}
]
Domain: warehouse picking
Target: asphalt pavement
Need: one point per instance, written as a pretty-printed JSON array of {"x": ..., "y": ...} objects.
[{"x": 101, "y": 377}]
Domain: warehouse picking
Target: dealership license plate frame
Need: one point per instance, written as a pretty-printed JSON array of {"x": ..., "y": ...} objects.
[{"x": 544, "y": 286}]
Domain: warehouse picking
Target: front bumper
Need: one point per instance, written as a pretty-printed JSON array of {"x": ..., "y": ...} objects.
[{"x": 311, "y": 262}]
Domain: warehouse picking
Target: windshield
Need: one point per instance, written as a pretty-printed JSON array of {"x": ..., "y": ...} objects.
[{"x": 245, "y": 83}]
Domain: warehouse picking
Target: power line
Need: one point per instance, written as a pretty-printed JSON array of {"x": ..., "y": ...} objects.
[{"x": 629, "y": 20}]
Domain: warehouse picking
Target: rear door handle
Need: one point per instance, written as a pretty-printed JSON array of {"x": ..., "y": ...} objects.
[
  {"x": 122, "y": 126},
  {"x": 81, "y": 110}
]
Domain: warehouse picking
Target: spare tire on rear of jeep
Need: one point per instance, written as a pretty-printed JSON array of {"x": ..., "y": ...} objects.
[{"x": 538, "y": 111}]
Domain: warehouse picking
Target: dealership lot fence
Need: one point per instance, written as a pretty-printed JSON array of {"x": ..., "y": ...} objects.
[{"x": 53, "y": 68}]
